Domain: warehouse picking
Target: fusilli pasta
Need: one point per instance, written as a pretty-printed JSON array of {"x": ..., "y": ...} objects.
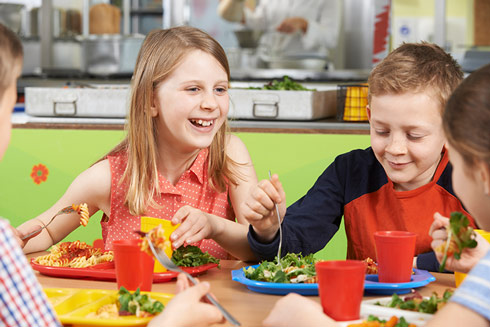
[
  {"x": 82, "y": 210},
  {"x": 157, "y": 237},
  {"x": 75, "y": 255}
]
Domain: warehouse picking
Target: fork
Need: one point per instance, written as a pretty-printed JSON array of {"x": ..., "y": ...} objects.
[
  {"x": 65, "y": 210},
  {"x": 162, "y": 257},
  {"x": 280, "y": 230}
]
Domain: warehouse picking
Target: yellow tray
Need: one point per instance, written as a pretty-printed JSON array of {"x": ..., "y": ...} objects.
[{"x": 72, "y": 305}]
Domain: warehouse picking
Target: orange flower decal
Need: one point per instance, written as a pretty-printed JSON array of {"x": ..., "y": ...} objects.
[{"x": 39, "y": 173}]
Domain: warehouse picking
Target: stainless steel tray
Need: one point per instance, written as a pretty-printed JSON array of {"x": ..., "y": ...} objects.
[
  {"x": 282, "y": 105},
  {"x": 107, "y": 101}
]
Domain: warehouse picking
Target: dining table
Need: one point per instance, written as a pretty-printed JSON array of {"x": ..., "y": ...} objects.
[{"x": 250, "y": 308}]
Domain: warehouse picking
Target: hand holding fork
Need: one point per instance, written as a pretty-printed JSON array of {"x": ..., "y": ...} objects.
[
  {"x": 65, "y": 210},
  {"x": 162, "y": 257}
]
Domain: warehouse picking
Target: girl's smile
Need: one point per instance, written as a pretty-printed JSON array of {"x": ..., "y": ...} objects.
[{"x": 192, "y": 104}]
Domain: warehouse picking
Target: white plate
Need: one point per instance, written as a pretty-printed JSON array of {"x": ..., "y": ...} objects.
[
  {"x": 412, "y": 319},
  {"x": 369, "y": 307}
]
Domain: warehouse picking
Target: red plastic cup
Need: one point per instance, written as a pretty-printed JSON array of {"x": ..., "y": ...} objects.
[
  {"x": 395, "y": 251},
  {"x": 134, "y": 268},
  {"x": 341, "y": 286}
]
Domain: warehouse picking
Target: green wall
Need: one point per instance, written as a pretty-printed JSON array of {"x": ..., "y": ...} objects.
[{"x": 298, "y": 159}]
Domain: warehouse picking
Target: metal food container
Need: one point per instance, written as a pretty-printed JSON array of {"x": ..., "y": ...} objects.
[
  {"x": 282, "y": 105},
  {"x": 111, "y": 54},
  {"x": 106, "y": 101}
]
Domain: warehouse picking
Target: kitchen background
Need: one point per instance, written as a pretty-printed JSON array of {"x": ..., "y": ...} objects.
[
  {"x": 81, "y": 39},
  {"x": 79, "y": 55}
]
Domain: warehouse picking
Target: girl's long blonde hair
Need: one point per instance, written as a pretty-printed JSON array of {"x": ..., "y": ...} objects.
[{"x": 159, "y": 55}]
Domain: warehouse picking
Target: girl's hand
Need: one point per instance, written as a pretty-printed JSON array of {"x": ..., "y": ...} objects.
[
  {"x": 469, "y": 257},
  {"x": 195, "y": 225},
  {"x": 188, "y": 300},
  {"x": 297, "y": 310},
  {"x": 259, "y": 207},
  {"x": 19, "y": 235}
]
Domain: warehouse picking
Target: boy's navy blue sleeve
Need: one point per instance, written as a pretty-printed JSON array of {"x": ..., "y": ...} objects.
[
  {"x": 311, "y": 221},
  {"x": 428, "y": 261}
]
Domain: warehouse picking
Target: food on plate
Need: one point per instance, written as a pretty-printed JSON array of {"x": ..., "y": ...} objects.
[
  {"x": 129, "y": 304},
  {"x": 460, "y": 236},
  {"x": 157, "y": 237},
  {"x": 74, "y": 255},
  {"x": 82, "y": 210},
  {"x": 373, "y": 321},
  {"x": 285, "y": 85},
  {"x": 192, "y": 256},
  {"x": 296, "y": 269},
  {"x": 415, "y": 302},
  {"x": 371, "y": 266}
]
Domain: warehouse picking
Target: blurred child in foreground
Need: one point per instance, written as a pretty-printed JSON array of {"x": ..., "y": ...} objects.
[{"x": 22, "y": 300}]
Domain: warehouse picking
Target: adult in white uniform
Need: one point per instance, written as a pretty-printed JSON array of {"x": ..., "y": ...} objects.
[{"x": 311, "y": 26}]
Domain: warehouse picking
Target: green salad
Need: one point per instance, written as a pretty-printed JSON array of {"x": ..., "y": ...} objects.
[
  {"x": 286, "y": 84},
  {"x": 417, "y": 303},
  {"x": 192, "y": 256},
  {"x": 137, "y": 304},
  {"x": 296, "y": 269}
]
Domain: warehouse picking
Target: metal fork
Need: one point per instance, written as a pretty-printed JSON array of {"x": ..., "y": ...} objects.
[
  {"x": 280, "y": 229},
  {"x": 162, "y": 257},
  {"x": 65, "y": 210}
]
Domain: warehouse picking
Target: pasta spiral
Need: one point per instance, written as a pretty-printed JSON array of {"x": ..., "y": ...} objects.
[{"x": 82, "y": 210}]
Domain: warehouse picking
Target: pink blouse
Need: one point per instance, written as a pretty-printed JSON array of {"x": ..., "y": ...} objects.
[{"x": 192, "y": 189}]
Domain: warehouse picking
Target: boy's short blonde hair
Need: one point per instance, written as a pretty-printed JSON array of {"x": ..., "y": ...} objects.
[
  {"x": 11, "y": 53},
  {"x": 416, "y": 68}
]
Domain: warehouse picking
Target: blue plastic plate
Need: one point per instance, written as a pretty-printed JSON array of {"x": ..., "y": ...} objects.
[{"x": 371, "y": 285}]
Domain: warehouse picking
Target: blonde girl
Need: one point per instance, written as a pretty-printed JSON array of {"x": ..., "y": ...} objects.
[{"x": 177, "y": 162}]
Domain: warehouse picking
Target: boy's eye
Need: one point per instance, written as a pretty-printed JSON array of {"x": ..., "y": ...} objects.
[
  {"x": 193, "y": 89},
  {"x": 382, "y": 132},
  {"x": 221, "y": 90}
]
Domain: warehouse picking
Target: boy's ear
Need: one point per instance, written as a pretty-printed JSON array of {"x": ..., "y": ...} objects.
[{"x": 368, "y": 112}]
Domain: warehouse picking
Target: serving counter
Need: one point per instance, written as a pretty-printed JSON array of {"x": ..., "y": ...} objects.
[
  {"x": 250, "y": 308},
  {"x": 324, "y": 126}
]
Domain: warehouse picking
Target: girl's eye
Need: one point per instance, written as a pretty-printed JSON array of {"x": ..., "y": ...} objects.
[
  {"x": 382, "y": 133},
  {"x": 414, "y": 137},
  {"x": 193, "y": 89}
]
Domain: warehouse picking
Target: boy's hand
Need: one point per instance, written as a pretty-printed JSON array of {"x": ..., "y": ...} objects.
[
  {"x": 195, "y": 225},
  {"x": 469, "y": 257},
  {"x": 259, "y": 207},
  {"x": 188, "y": 300}
]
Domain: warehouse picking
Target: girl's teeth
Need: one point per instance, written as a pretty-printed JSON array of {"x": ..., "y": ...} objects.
[{"x": 203, "y": 123}]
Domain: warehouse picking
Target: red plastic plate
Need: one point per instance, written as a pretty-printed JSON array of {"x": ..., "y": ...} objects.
[{"x": 106, "y": 271}]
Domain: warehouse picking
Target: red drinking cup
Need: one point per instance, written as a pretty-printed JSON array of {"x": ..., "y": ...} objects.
[
  {"x": 395, "y": 251},
  {"x": 134, "y": 268},
  {"x": 341, "y": 286}
]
